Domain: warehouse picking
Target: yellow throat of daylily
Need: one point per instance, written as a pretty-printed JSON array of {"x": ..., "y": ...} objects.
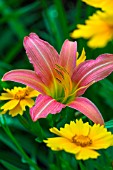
[
  {"x": 65, "y": 90},
  {"x": 64, "y": 83}
]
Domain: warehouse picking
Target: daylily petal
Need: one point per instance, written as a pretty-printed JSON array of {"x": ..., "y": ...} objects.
[
  {"x": 68, "y": 56},
  {"x": 86, "y": 107},
  {"x": 26, "y": 77},
  {"x": 42, "y": 55},
  {"x": 92, "y": 71},
  {"x": 45, "y": 105}
]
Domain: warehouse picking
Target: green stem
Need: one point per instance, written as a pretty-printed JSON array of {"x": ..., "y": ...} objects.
[
  {"x": 62, "y": 17},
  {"x": 8, "y": 132},
  {"x": 82, "y": 167}
]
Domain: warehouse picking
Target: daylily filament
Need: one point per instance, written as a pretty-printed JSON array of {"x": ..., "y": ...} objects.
[{"x": 64, "y": 80}]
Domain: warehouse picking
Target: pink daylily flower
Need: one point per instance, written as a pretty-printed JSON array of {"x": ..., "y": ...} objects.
[{"x": 59, "y": 79}]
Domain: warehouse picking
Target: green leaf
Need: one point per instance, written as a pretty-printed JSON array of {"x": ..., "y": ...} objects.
[
  {"x": 109, "y": 124},
  {"x": 8, "y": 165}
]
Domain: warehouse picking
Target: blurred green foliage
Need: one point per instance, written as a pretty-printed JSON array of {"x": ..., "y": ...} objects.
[{"x": 21, "y": 140}]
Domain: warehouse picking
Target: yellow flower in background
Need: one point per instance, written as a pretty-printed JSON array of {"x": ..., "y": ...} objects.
[
  {"x": 106, "y": 5},
  {"x": 80, "y": 139},
  {"x": 98, "y": 29},
  {"x": 18, "y": 98}
]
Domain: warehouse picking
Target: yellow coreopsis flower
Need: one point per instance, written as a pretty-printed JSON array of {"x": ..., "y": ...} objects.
[
  {"x": 18, "y": 98},
  {"x": 80, "y": 139},
  {"x": 98, "y": 28},
  {"x": 106, "y": 5}
]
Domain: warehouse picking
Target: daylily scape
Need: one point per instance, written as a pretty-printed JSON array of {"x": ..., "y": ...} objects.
[{"x": 59, "y": 79}]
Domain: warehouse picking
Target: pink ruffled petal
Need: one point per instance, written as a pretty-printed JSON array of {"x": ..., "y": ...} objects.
[
  {"x": 45, "y": 105},
  {"x": 26, "y": 77},
  {"x": 42, "y": 55},
  {"x": 86, "y": 107},
  {"x": 68, "y": 56},
  {"x": 92, "y": 71}
]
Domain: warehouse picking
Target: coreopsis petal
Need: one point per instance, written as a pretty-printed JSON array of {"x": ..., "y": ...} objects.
[
  {"x": 60, "y": 143},
  {"x": 92, "y": 71},
  {"x": 79, "y": 128},
  {"x": 6, "y": 96},
  {"x": 105, "y": 38},
  {"x": 86, "y": 153},
  {"x": 3, "y": 112},
  {"x": 10, "y": 105},
  {"x": 68, "y": 56},
  {"x": 45, "y": 105},
  {"x": 103, "y": 4},
  {"x": 32, "y": 93},
  {"x": 88, "y": 109},
  {"x": 26, "y": 102},
  {"x": 42, "y": 55},
  {"x": 98, "y": 38},
  {"x": 16, "y": 110},
  {"x": 101, "y": 138},
  {"x": 26, "y": 77},
  {"x": 63, "y": 131}
]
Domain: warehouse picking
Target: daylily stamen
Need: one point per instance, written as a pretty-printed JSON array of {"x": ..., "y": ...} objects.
[
  {"x": 58, "y": 80},
  {"x": 64, "y": 80},
  {"x": 78, "y": 89}
]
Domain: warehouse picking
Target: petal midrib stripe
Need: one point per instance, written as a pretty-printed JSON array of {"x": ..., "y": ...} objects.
[
  {"x": 89, "y": 72},
  {"x": 42, "y": 57},
  {"x": 36, "y": 117}
]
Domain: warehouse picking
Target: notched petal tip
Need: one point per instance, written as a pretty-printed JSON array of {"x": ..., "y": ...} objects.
[
  {"x": 33, "y": 35},
  {"x": 25, "y": 38},
  {"x": 30, "y": 36}
]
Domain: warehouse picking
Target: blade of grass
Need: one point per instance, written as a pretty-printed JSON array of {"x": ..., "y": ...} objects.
[
  {"x": 8, "y": 165},
  {"x": 13, "y": 139}
]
